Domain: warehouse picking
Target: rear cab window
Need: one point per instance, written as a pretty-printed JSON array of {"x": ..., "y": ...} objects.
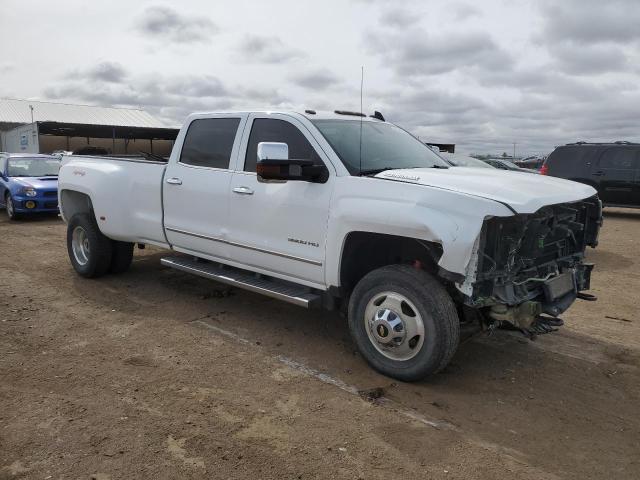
[{"x": 209, "y": 142}]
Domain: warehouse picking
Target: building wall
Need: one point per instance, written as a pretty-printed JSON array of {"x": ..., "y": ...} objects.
[
  {"x": 25, "y": 139},
  {"x": 22, "y": 139}
]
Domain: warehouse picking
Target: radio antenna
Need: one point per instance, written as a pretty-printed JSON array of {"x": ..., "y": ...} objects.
[{"x": 361, "y": 115}]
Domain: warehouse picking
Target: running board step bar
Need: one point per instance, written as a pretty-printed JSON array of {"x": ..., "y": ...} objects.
[{"x": 296, "y": 294}]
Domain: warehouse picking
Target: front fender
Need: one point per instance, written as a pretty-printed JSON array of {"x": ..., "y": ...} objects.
[{"x": 451, "y": 219}]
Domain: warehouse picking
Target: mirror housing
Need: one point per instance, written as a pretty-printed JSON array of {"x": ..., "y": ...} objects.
[{"x": 274, "y": 164}]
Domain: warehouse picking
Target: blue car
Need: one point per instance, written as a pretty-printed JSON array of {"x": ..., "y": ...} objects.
[{"x": 28, "y": 183}]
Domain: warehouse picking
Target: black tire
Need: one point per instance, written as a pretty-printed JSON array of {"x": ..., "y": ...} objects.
[
  {"x": 98, "y": 256},
  {"x": 8, "y": 203},
  {"x": 435, "y": 307},
  {"x": 121, "y": 256}
]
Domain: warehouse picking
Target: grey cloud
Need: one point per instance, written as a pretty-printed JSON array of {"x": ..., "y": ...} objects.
[
  {"x": 591, "y": 21},
  {"x": 415, "y": 53},
  {"x": 588, "y": 59},
  {"x": 399, "y": 18},
  {"x": 262, "y": 96},
  {"x": 265, "y": 49},
  {"x": 165, "y": 23},
  {"x": 551, "y": 109},
  {"x": 197, "y": 86},
  {"x": 320, "y": 79},
  {"x": 107, "y": 72},
  {"x": 169, "y": 97},
  {"x": 463, "y": 11}
]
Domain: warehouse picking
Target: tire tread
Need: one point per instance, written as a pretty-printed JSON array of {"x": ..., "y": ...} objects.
[
  {"x": 101, "y": 248},
  {"x": 430, "y": 292}
]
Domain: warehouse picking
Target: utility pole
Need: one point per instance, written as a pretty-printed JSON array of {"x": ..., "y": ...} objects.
[
  {"x": 514, "y": 151},
  {"x": 31, "y": 107}
]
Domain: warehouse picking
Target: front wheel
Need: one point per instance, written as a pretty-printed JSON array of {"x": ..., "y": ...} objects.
[
  {"x": 11, "y": 209},
  {"x": 89, "y": 250},
  {"x": 404, "y": 322}
]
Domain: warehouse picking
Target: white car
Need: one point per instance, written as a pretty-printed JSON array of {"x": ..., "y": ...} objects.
[{"x": 343, "y": 211}]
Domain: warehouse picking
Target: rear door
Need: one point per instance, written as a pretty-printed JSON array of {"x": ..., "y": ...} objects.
[
  {"x": 196, "y": 186},
  {"x": 616, "y": 171}
]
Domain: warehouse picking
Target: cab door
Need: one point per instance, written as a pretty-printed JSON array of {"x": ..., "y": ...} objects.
[
  {"x": 279, "y": 227},
  {"x": 615, "y": 171},
  {"x": 196, "y": 185}
]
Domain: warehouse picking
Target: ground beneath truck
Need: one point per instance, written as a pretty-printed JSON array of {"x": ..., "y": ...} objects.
[{"x": 158, "y": 374}]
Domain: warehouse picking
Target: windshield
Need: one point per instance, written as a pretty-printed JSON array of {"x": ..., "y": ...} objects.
[
  {"x": 33, "y": 167},
  {"x": 384, "y": 146}
]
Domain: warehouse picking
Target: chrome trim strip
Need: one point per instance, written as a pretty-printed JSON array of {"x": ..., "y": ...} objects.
[
  {"x": 235, "y": 244},
  {"x": 302, "y": 301},
  {"x": 120, "y": 159}
]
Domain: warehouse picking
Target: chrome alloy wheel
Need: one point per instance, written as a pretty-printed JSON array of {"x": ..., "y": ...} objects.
[
  {"x": 9, "y": 206},
  {"x": 394, "y": 326},
  {"x": 80, "y": 245}
]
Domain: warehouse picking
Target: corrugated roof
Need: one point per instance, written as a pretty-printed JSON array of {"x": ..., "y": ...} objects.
[{"x": 18, "y": 111}]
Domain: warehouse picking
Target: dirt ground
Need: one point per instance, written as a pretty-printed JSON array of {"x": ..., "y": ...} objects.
[{"x": 158, "y": 374}]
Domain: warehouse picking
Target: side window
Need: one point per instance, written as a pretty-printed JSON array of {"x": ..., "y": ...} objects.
[
  {"x": 3, "y": 164},
  {"x": 209, "y": 141},
  {"x": 272, "y": 130},
  {"x": 619, "y": 158}
]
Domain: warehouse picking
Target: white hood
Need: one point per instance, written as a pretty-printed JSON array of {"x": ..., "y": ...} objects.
[{"x": 523, "y": 192}]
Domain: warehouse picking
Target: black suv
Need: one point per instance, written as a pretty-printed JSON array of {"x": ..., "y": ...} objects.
[{"x": 613, "y": 169}]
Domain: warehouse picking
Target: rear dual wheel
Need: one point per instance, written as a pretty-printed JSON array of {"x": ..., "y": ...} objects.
[
  {"x": 403, "y": 322},
  {"x": 92, "y": 254}
]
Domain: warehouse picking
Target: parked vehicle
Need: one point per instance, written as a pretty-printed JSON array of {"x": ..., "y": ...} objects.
[
  {"x": 531, "y": 163},
  {"x": 458, "y": 160},
  {"x": 506, "y": 165},
  {"x": 348, "y": 212},
  {"x": 28, "y": 183},
  {"x": 613, "y": 169}
]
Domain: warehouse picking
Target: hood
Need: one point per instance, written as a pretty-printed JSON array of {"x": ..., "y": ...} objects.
[
  {"x": 523, "y": 193},
  {"x": 44, "y": 183}
]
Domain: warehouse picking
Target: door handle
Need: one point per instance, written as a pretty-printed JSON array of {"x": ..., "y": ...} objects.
[
  {"x": 174, "y": 181},
  {"x": 599, "y": 173},
  {"x": 243, "y": 190}
]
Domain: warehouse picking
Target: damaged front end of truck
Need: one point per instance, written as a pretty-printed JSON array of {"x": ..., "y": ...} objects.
[{"x": 529, "y": 268}]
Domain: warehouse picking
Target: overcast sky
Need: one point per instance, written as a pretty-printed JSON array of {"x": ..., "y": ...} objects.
[{"x": 479, "y": 74}]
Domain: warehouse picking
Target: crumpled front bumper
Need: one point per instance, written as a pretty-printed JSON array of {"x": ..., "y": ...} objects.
[{"x": 534, "y": 264}]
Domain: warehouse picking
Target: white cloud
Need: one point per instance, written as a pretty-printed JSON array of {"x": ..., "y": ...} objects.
[{"x": 479, "y": 74}]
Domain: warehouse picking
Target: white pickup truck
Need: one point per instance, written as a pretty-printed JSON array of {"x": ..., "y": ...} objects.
[{"x": 343, "y": 211}]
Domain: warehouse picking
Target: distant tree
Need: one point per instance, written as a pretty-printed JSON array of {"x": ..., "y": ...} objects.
[{"x": 504, "y": 155}]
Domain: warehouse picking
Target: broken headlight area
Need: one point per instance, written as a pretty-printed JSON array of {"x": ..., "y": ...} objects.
[{"x": 530, "y": 265}]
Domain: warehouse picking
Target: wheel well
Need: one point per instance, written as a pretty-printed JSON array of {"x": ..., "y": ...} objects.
[
  {"x": 364, "y": 252},
  {"x": 72, "y": 203}
]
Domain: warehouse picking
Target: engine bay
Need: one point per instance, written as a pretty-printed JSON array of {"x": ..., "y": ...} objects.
[{"x": 534, "y": 264}]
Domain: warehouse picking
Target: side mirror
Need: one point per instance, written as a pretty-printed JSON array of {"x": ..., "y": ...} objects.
[{"x": 274, "y": 164}]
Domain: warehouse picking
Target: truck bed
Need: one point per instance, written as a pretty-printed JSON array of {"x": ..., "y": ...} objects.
[{"x": 125, "y": 193}]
